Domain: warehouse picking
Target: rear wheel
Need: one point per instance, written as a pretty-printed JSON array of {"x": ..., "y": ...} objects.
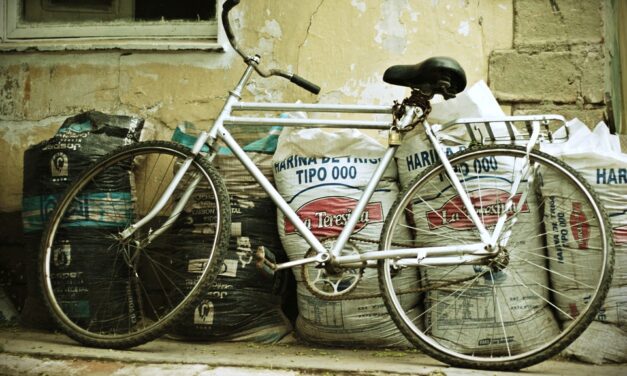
[
  {"x": 530, "y": 301},
  {"x": 106, "y": 291}
]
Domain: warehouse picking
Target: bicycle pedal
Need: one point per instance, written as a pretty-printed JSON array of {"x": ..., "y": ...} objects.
[{"x": 266, "y": 267}]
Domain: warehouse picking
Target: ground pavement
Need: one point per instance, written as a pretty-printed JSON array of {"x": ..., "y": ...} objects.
[{"x": 31, "y": 352}]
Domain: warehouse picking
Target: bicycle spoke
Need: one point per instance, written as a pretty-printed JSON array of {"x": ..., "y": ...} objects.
[
  {"x": 143, "y": 291},
  {"x": 524, "y": 285}
]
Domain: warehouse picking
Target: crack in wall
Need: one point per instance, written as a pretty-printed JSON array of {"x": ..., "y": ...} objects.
[
  {"x": 311, "y": 19},
  {"x": 483, "y": 40},
  {"x": 555, "y": 8}
]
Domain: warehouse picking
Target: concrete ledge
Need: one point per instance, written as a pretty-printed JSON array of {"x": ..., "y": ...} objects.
[{"x": 28, "y": 352}]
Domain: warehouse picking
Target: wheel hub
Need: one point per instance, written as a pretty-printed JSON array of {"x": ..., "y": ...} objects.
[{"x": 500, "y": 261}]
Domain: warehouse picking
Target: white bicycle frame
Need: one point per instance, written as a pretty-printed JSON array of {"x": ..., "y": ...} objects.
[{"x": 444, "y": 255}]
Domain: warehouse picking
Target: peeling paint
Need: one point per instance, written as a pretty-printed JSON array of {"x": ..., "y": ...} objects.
[
  {"x": 265, "y": 46},
  {"x": 367, "y": 91},
  {"x": 375, "y": 91},
  {"x": 464, "y": 28},
  {"x": 266, "y": 90},
  {"x": 359, "y": 4},
  {"x": 391, "y": 33},
  {"x": 272, "y": 28}
]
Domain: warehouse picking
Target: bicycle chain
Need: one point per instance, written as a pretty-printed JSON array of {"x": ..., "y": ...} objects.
[{"x": 378, "y": 295}]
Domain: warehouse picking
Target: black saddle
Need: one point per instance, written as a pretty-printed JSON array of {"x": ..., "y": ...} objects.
[{"x": 436, "y": 75}]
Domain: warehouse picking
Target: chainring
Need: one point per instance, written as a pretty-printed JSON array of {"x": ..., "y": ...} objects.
[{"x": 330, "y": 282}]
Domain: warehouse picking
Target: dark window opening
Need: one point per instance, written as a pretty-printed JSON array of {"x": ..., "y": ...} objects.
[
  {"x": 191, "y": 10},
  {"x": 76, "y": 11}
]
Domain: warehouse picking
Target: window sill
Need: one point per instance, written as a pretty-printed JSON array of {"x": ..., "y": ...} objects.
[{"x": 110, "y": 44}]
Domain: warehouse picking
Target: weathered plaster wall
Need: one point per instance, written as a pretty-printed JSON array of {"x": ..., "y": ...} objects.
[{"x": 344, "y": 46}]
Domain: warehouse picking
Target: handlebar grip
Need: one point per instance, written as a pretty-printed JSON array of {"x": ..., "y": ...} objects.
[{"x": 310, "y": 87}]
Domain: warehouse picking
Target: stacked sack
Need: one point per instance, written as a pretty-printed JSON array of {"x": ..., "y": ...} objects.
[
  {"x": 49, "y": 167},
  {"x": 243, "y": 304},
  {"x": 475, "y": 328},
  {"x": 596, "y": 155},
  {"x": 321, "y": 175}
]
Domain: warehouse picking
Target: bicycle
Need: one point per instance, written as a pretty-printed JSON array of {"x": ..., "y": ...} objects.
[{"x": 127, "y": 231}]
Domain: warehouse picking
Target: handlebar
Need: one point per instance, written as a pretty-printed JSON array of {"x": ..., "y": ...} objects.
[
  {"x": 229, "y": 4},
  {"x": 226, "y": 8},
  {"x": 309, "y": 86},
  {"x": 294, "y": 78}
]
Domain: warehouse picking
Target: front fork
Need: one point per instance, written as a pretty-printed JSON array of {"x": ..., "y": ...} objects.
[
  {"x": 233, "y": 97},
  {"x": 169, "y": 191}
]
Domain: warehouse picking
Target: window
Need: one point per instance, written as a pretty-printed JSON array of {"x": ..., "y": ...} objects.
[{"x": 119, "y": 23}]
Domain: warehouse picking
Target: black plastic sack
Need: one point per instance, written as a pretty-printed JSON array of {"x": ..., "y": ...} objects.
[
  {"x": 49, "y": 167},
  {"x": 243, "y": 303}
]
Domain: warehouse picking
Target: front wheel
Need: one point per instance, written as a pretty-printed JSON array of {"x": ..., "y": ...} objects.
[
  {"x": 105, "y": 290},
  {"x": 536, "y": 296}
]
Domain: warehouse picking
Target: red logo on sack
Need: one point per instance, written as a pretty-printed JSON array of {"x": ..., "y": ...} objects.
[
  {"x": 579, "y": 226},
  {"x": 489, "y": 203},
  {"x": 620, "y": 235},
  {"x": 327, "y": 216}
]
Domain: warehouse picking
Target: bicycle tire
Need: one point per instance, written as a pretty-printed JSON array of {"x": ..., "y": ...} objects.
[
  {"x": 516, "y": 312},
  {"x": 105, "y": 292}
]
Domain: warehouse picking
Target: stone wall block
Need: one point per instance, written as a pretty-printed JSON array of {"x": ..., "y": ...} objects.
[
  {"x": 557, "y": 21},
  {"x": 525, "y": 77},
  {"x": 593, "y": 75}
]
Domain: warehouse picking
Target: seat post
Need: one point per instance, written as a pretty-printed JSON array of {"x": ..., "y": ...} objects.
[{"x": 417, "y": 98}]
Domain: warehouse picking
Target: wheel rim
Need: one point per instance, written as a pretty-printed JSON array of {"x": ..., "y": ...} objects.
[
  {"x": 421, "y": 333},
  {"x": 143, "y": 281}
]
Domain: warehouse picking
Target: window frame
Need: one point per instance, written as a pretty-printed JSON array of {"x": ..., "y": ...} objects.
[{"x": 16, "y": 35}]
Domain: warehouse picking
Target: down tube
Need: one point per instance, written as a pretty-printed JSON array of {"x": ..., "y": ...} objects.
[
  {"x": 363, "y": 201},
  {"x": 269, "y": 188}
]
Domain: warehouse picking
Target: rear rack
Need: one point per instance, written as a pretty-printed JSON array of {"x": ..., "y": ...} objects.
[{"x": 509, "y": 129}]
